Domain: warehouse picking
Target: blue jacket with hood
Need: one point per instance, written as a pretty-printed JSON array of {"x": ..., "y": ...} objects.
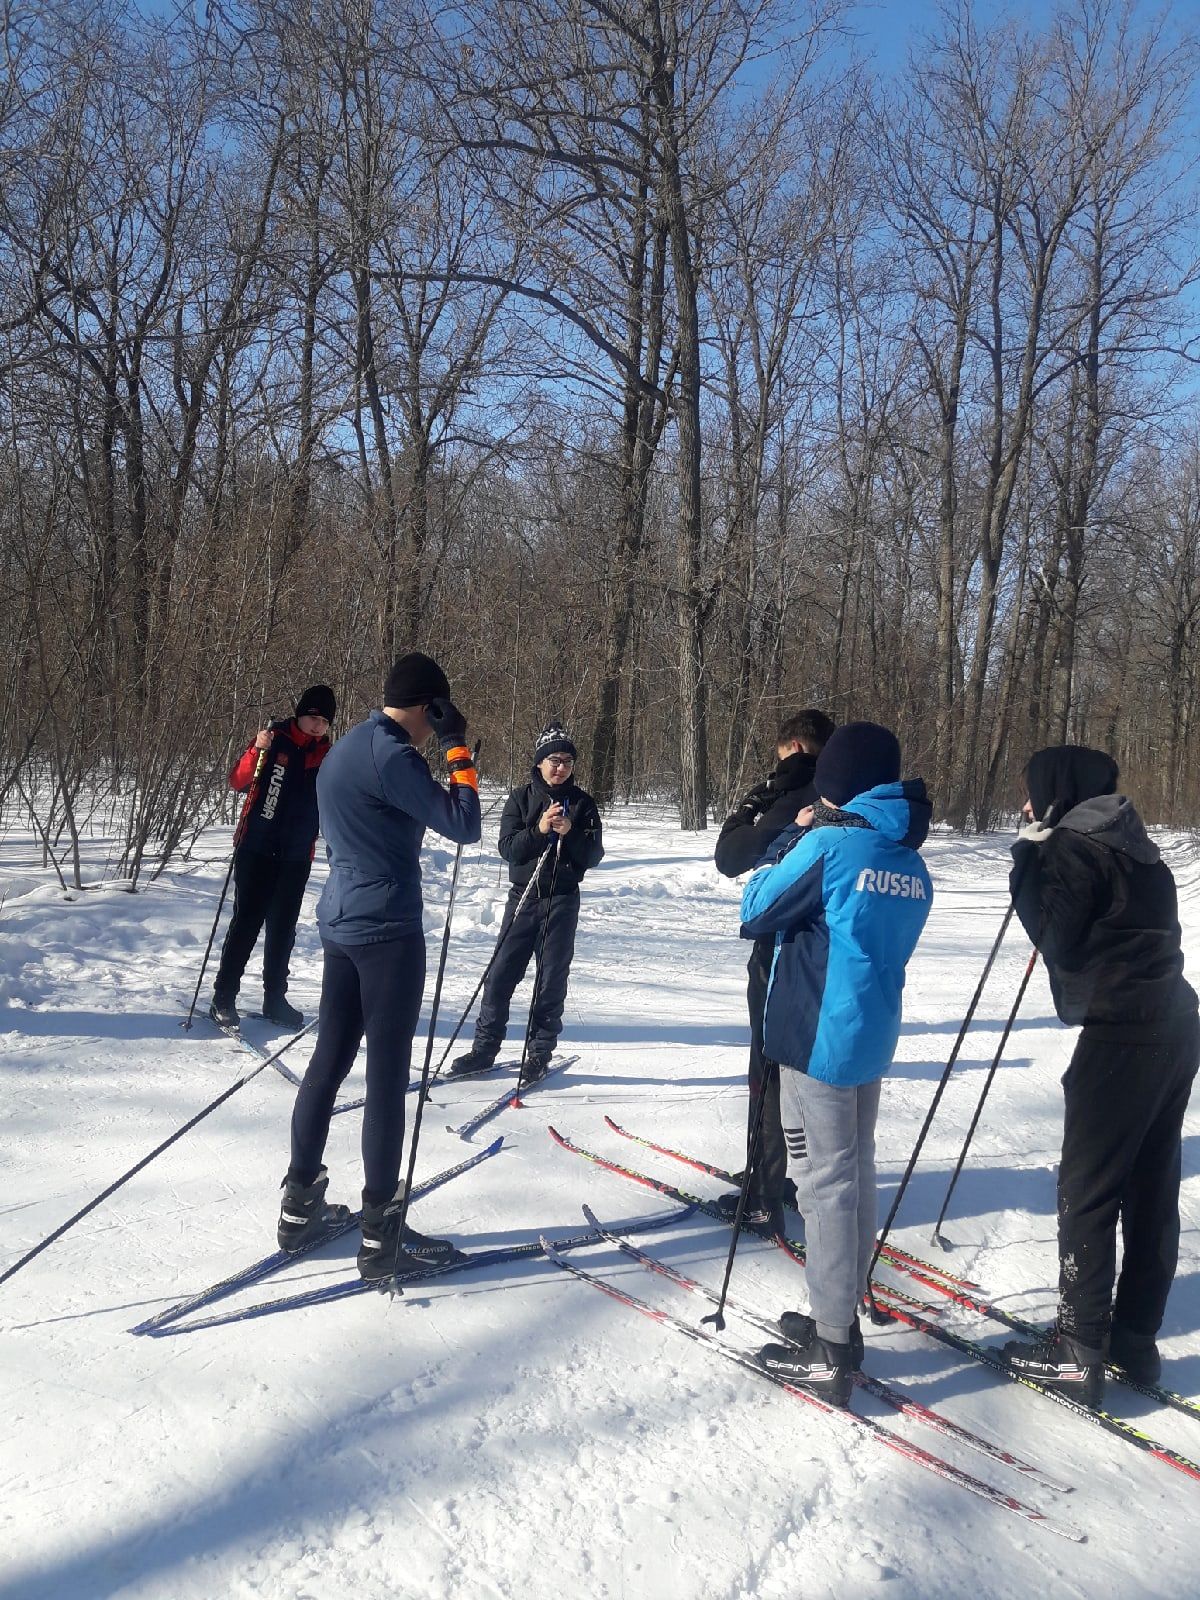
[
  {"x": 377, "y": 796},
  {"x": 847, "y": 906}
]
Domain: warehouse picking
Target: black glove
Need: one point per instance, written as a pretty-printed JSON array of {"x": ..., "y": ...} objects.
[
  {"x": 448, "y": 723},
  {"x": 758, "y": 799}
]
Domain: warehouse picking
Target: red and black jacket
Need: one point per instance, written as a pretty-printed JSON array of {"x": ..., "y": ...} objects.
[{"x": 280, "y": 817}]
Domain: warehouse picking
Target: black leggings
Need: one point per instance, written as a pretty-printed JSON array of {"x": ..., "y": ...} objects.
[
  {"x": 266, "y": 891},
  {"x": 373, "y": 989}
]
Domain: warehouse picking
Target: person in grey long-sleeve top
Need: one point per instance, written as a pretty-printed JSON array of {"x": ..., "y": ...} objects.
[{"x": 377, "y": 797}]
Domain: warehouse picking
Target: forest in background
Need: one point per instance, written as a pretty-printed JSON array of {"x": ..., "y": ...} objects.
[{"x": 660, "y": 365}]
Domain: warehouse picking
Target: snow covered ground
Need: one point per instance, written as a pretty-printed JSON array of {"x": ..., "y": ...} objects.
[{"x": 516, "y": 1433}]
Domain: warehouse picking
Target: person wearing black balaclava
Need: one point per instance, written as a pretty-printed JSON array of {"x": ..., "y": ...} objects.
[
  {"x": 550, "y": 810},
  {"x": 1094, "y": 895}
]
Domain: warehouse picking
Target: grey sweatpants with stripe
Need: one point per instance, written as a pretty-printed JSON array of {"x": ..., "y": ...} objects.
[{"x": 830, "y": 1133}]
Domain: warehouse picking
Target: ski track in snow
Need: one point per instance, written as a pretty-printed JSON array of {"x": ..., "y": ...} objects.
[{"x": 516, "y": 1433}]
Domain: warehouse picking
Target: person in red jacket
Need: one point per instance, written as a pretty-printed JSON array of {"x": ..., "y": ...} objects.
[{"x": 273, "y": 853}]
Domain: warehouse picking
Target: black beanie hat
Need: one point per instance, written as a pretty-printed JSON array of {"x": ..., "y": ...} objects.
[
  {"x": 318, "y": 701},
  {"x": 415, "y": 680},
  {"x": 554, "y": 740},
  {"x": 1064, "y": 776},
  {"x": 859, "y": 756}
]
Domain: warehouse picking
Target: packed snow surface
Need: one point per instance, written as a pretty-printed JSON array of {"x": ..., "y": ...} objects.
[{"x": 514, "y": 1432}]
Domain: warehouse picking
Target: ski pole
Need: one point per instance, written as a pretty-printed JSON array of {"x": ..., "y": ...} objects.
[
  {"x": 237, "y": 839},
  {"x": 537, "y": 979},
  {"x": 433, "y": 1016},
  {"x": 718, "y": 1316},
  {"x": 987, "y": 1084},
  {"x": 876, "y": 1314},
  {"x": 458, "y": 1026},
  {"x": 241, "y": 1083}
]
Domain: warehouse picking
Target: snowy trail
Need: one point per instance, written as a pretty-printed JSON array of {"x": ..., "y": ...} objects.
[{"x": 514, "y": 1433}]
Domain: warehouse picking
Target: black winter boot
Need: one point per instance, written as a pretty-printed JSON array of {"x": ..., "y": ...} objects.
[
  {"x": 479, "y": 1058},
  {"x": 223, "y": 1012},
  {"x": 819, "y": 1365},
  {"x": 276, "y": 1008},
  {"x": 799, "y": 1327},
  {"x": 1060, "y": 1363},
  {"x": 303, "y": 1213},
  {"x": 1135, "y": 1353}
]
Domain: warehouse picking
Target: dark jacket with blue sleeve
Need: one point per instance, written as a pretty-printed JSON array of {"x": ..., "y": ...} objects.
[
  {"x": 377, "y": 797},
  {"x": 846, "y": 905}
]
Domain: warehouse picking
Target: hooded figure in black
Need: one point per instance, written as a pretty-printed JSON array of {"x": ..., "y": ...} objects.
[
  {"x": 746, "y": 836},
  {"x": 1094, "y": 895},
  {"x": 550, "y": 835}
]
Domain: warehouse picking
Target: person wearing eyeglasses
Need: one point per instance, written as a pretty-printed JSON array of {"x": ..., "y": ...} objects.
[
  {"x": 273, "y": 854},
  {"x": 550, "y": 810}
]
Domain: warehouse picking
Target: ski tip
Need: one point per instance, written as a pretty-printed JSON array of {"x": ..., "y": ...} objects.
[
  {"x": 495, "y": 1146},
  {"x": 609, "y": 1123}
]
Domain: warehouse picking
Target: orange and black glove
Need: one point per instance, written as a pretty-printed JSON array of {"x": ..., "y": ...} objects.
[{"x": 450, "y": 728}]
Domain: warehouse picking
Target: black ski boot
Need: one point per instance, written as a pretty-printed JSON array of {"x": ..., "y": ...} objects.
[
  {"x": 1060, "y": 1363},
  {"x": 1135, "y": 1353},
  {"x": 537, "y": 1065},
  {"x": 479, "y": 1058},
  {"x": 384, "y": 1252},
  {"x": 224, "y": 1013},
  {"x": 758, "y": 1216},
  {"x": 800, "y": 1328},
  {"x": 276, "y": 1008},
  {"x": 819, "y": 1365},
  {"x": 303, "y": 1213}
]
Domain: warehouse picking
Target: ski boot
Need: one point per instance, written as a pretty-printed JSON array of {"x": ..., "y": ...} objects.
[
  {"x": 1060, "y": 1363},
  {"x": 303, "y": 1213},
  {"x": 800, "y": 1328},
  {"x": 537, "y": 1065},
  {"x": 758, "y": 1217},
  {"x": 819, "y": 1365},
  {"x": 386, "y": 1252},
  {"x": 479, "y": 1058},
  {"x": 277, "y": 1009},
  {"x": 1135, "y": 1353},
  {"x": 224, "y": 1013}
]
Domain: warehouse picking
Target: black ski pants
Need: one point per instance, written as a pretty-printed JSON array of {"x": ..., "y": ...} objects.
[
  {"x": 1125, "y": 1102},
  {"x": 554, "y": 919},
  {"x": 374, "y": 989},
  {"x": 770, "y": 1169},
  {"x": 266, "y": 892}
]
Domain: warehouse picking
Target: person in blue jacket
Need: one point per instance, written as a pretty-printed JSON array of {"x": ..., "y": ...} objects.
[
  {"x": 377, "y": 797},
  {"x": 846, "y": 899}
]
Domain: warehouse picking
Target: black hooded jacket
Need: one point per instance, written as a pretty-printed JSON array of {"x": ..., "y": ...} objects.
[
  {"x": 750, "y": 831},
  {"x": 1097, "y": 899},
  {"x": 522, "y": 844}
]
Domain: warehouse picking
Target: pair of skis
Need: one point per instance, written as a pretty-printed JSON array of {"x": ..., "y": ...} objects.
[
  {"x": 890, "y": 1395},
  {"x": 921, "y": 1316},
  {"x": 506, "y": 1098},
  {"x": 165, "y": 1321}
]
